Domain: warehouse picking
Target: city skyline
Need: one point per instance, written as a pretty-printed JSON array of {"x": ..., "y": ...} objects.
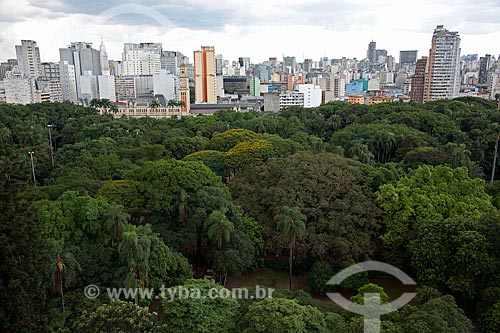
[{"x": 246, "y": 28}]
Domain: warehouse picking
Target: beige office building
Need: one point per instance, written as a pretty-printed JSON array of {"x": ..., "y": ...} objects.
[{"x": 205, "y": 86}]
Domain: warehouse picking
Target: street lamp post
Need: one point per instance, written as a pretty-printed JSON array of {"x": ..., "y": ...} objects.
[
  {"x": 32, "y": 167},
  {"x": 51, "y": 147}
]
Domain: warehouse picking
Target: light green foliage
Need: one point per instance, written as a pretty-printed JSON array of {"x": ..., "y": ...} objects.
[
  {"x": 230, "y": 138},
  {"x": 117, "y": 317},
  {"x": 430, "y": 194},
  {"x": 196, "y": 314},
  {"x": 370, "y": 288},
  {"x": 284, "y": 315},
  {"x": 211, "y": 158}
]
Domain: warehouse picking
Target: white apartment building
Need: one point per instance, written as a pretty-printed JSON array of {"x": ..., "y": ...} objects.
[
  {"x": 442, "y": 80},
  {"x": 68, "y": 82},
  {"x": 141, "y": 59},
  {"x": 165, "y": 84},
  {"x": 28, "y": 59},
  {"x": 88, "y": 86},
  {"x": 312, "y": 95},
  {"x": 291, "y": 98},
  {"x": 106, "y": 84},
  {"x": 20, "y": 88}
]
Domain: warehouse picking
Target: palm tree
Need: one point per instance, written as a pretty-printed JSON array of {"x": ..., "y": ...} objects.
[
  {"x": 291, "y": 224},
  {"x": 134, "y": 251},
  {"x": 154, "y": 103},
  {"x": 171, "y": 103},
  {"x": 185, "y": 209},
  {"x": 59, "y": 279},
  {"x": 95, "y": 102},
  {"x": 219, "y": 228},
  {"x": 117, "y": 221}
]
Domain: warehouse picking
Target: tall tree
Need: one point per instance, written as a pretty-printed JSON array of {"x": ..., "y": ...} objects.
[
  {"x": 219, "y": 228},
  {"x": 291, "y": 224}
]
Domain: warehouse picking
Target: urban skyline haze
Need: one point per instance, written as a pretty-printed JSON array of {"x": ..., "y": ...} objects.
[{"x": 255, "y": 29}]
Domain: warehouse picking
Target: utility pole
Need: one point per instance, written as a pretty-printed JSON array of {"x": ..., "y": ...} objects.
[
  {"x": 32, "y": 167},
  {"x": 495, "y": 160}
]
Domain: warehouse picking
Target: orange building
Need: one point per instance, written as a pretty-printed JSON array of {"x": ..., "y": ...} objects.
[
  {"x": 204, "y": 75},
  {"x": 356, "y": 99}
]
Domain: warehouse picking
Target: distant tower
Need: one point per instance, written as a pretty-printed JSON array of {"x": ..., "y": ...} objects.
[
  {"x": 204, "y": 75},
  {"x": 184, "y": 88},
  {"x": 103, "y": 57},
  {"x": 371, "y": 54},
  {"x": 442, "y": 80},
  {"x": 418, "y": 81},
  {"x": 28, "y": 59}
]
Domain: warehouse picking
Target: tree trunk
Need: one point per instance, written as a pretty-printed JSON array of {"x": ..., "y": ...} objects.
[
  {"x": 62, "y": 293},
  {"x": 291, "y": 261}
]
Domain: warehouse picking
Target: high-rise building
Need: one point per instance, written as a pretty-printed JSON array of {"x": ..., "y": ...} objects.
[
  {"x": 20, "y": 88},
  {"x": 88, "y": 86},
  {"x": 289, "y": 64},
  {"x": 28, "y": 59},
  {"x": 170, "y": 61},
  {"x": 442, "y": 80},
  {"x": 125, "y": 88},
  {"x": 371, "y": 54},
  {"x": 166, "y": 84},
  {"x": 219, "y": 64},
  {"x": 141, "y": 59},
  {"x": 52, "y": 88},
  {"x": 312, "y": 95},
  {"x": 106, "y": 84},
  {"x": 408, "y": 57},
  {"x": 103, "y": 57},
  {"x": 244, "y": 62},
  {"x": 84, "y": 58},
  {"x": 7, "y": 67},
  {"x": 380, "y": 56},
  {"x": 50, "y": 71},
  {"x": 204, "y": 75},
  {"x": 255, "y": 86},
  {"x": 484, "y": 69},
  {"x": 418, "y": 81},
  {"x": 184, "y": 95},
  {"x": 68, "y": 82}
]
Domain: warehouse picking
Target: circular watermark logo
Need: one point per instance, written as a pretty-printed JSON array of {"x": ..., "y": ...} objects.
[
  {"x": 372, "y": 308},
  {"x": 92, "y": 291}
]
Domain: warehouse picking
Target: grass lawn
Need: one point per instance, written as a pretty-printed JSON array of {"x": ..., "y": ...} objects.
[{"x": 267, "y": 278}]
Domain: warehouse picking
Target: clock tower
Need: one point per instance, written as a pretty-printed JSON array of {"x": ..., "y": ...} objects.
[{"x": 184, "y": 88}]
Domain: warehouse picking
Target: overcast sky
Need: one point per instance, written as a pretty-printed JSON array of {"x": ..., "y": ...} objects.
[{"x": 258, "y": 29}]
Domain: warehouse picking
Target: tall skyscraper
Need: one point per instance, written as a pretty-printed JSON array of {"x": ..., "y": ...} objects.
[
  {"x": 371, "y": 54},
  {"x": 141, "y": 59},
  {"x": 103, "y": 57},
  {"x": 28, "y": 58},
  {"x": 204, "y": 75},
  {"x": 418, "y": 81},
  {"x": 484, "y": 69},
  {"x": 408, "y": 57},
  {"x": 442, "y": 80},
  {"x": 184, "y": 95},
  {"x": 85, "y": 60},
  {"x": 68, "y": 82},
  {"x": 106, "y": 83}
]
